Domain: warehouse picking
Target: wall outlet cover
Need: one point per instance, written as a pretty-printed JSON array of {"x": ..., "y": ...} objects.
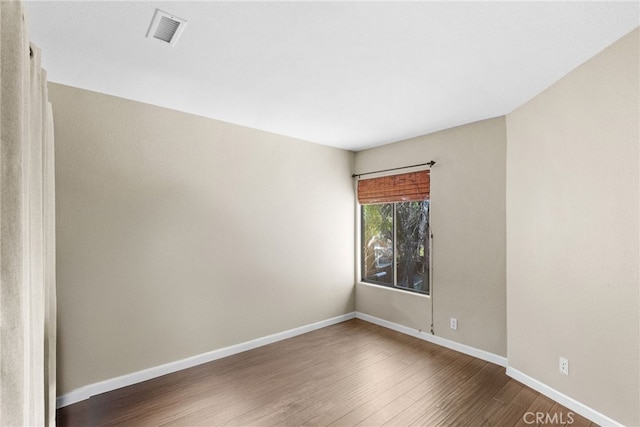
[{"x": 564, "y": 366}]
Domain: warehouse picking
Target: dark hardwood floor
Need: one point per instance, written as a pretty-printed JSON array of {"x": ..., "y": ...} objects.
[{"x": 353, "y": 373}]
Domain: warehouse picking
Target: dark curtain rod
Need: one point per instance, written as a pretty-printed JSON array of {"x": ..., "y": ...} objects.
[{"x": 431, "y": 163}]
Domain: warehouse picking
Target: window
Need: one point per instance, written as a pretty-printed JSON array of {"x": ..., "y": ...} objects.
[{"x": 395, "y": 231}]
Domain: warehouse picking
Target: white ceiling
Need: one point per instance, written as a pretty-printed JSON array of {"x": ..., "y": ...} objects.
[{"x": 345, "y": 74}]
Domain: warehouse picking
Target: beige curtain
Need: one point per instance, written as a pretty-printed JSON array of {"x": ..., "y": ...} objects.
[{"x": 27, "y": 224}]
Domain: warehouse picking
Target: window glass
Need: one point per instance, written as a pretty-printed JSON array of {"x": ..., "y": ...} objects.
[
  {"x": 395, "y": 250},
  {"x": 377, "y": 236},
  {"x": 412, "y": 262}
]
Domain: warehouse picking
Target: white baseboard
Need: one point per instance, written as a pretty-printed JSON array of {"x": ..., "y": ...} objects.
[
  {"x": 423, "y": 335},
  {"x": 562, "y": 399},
  {"x": 136, "y": 377}
]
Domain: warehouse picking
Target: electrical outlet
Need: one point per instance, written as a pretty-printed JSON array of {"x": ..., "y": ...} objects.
[
  {"x": 454, "y": 323},
  {"x": 564, "y": 366}
]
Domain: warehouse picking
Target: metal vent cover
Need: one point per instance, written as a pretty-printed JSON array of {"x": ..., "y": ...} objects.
[{"x": 166, "y": 27}]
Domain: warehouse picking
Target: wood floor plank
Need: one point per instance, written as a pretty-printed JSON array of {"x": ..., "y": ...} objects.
[
  {"x": 475, "y": 398},
  {"x": 386, "y": 413},
  {"x": 508, "y": 391},
  {"x": 409, "y": 416},
  {"x": 352, "y": 373},
  {"x": 373, "y": 388},
  {"x": 486, "y": 416},
  {"x": 541, "y": 405},
  {"x": 506, "y": 415},
  {"x": 388, "y": 393},
  {"x": 525, "y": 397}
]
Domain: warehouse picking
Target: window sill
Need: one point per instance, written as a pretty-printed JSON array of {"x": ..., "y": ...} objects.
[{"x": 388, "y": 288}]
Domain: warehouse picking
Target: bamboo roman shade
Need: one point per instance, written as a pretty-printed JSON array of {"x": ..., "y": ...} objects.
[{"x": 405, "y": 187}]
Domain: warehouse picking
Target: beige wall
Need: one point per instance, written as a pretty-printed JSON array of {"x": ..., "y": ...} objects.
[
  {"x": 468, "y": 223},
  {"x": 572, "y": 233},
  {"x": 178, "y": 235}
]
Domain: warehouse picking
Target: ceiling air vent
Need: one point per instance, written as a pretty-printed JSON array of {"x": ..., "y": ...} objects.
[{"x": 166, "y": 27}]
